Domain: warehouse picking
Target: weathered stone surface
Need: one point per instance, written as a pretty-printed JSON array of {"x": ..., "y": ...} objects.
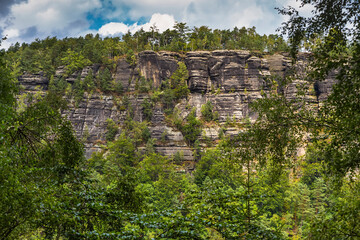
[
  {"x": 89, "y": 119},
  {"x": 227, "y": 70},
  {"x": 33, "y": 82},
  {"x": 157, "y": 66},
  {"x": 230, "y": 106},
  {"x": 230, "y": 80},
  {"x": 197, "y": 65},
  {"x": 124, "y": 74},
  {"x": 324, "y": 88}
]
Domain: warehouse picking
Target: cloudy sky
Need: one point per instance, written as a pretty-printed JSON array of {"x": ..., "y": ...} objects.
[{"x": 26, "y": 20}]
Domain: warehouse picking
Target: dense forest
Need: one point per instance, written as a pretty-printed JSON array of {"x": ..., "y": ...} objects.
[
  {"x": 254, "y": 185},
  {"x": 47, "y": 54}
]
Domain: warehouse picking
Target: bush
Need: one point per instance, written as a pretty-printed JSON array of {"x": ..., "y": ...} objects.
[
  {"x": 178, "y": 157},
  {"x": 118, "y": 87},
  {"x": 192, "y": 128},
  {"x": 207, "y": 112},
  {"x": 112, "y": 130},
  {"x": 178, "y": 81},
  {"x": 131, "y": 58},
  {"x": 89, "y": 83},
  {"x": 147, "y": 109},
  {"x": 143, "y": 85},
  {"x": 78, "y": 91},
  {"x": 104, "y": 80}
]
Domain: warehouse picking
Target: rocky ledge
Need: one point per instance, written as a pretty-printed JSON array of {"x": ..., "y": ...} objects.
[{"x": 229, "y": 79}]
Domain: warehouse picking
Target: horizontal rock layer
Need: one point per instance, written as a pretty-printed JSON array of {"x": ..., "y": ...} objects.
[{"x": 229, "y": 79}]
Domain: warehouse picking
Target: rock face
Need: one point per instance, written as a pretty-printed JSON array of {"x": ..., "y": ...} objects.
[
  {"x": 157, "y": 66},
  {"x": 230, "y": 80},
  {"x": 89, "y": 119},
  {"x": 228, "y": 70},
  {"x": 33, "y": 82}
]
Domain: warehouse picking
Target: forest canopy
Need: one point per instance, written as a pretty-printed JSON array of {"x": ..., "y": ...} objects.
[
  {"x": 49, "y": 53},
  {"x": 252, "y": 185}
]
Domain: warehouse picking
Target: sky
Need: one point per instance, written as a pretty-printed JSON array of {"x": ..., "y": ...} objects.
[{"x": 26, "y": 20}]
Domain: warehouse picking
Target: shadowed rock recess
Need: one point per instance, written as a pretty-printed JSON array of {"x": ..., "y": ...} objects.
[{"x": 230, "y": 80}]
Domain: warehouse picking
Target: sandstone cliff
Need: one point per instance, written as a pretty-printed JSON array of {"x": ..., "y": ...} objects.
[{"x": 229, "y": 79}]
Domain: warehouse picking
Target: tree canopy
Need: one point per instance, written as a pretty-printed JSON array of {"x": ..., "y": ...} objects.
[{"x": 251, "y": 185}]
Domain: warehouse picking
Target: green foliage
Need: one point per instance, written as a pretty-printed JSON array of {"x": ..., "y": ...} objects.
[
  {"x": 88, "y": 83},
  {"x": 253, "y": 185},
  {"x": 154, "y": 166},
  {"x": 138, "y": 131},
  {"x": 118, "y": 87},
  {"x": 149, "y": 147},
  {"x": 104, "y": 80},
  {"x": 143, "y": 85},
  {"x": 74, "y": 61},
  {"x": 168, "y": 100},
  {"x": 57, "y": 85},
  {"x": 7, "y": 87},
  {"x": 221, "y": 208},
  {"x": 340, "y": 220},
  {"x": 191, "y": 129},
  {"x": 111, "y": 130},
  {"x": 40, "y": 159},
  {"x": 147, "y": 109},
  {"x": 210, "y": 166},
  {"x": 131, "y": 58},
  {"x": 78, "y": 90},
  {"x": 175, "y": 88},
  {"x": 178, "y": 158},
  {"x": 178, "y": 81},
  {"x": 207, "y": 112}
]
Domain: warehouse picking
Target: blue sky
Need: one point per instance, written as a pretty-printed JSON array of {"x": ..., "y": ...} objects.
[{"x": 26, "y": 20}]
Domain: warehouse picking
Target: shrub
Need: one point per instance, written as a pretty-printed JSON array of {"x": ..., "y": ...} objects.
[
  {"x": 112, "y": 130},
  {"x": 207, "y": 112},
  {"x": 192, "y": 128},
  {"x": 131, "y": 58},
  {"x": 147, "y": 109},
  {"x": 104, "y": 80},
  {"x": 89, "y": 83},
  {"x": 178, "y": 157},
  {"x": 118, "y": 87}
]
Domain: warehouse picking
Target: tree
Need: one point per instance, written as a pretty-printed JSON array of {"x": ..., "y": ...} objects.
[
  {"x": 207, "y": 112},
  {"x": 88, "y": 83},
  {"x": 40, "y": 165},
  {"x": 74, "y": 61},
  {"x": 104, "y": 80},
  {"x": 336, "y": 24},
  {"x": 147, "y": 109},
  {"x": 191, "y": 129},
  {"x": 339, "y": 52},
  {"x": 180, "y": 30},
  {"x": 178, "y": 81}
]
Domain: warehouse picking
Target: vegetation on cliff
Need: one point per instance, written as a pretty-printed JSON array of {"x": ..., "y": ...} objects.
[
  {"x": 75, "y": 53},
  {"x": 253, "y": 185}
]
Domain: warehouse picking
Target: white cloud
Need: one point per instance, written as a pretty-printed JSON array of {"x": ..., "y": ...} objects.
[
  {"x": 113, "y": 28},
  {"x": 305, "y": 11},
  {"x": 49, "y": 15},
  {"x": 249, "y": 16},
  {"x": 42, "y": 18},
  {"x": 146, "y": 8},
  {"x": 11, "y": 33},
  {"x": 212, "y": 13},
  {"x": 161, "y": 21},
  {"x": 227, "y": 14}
]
